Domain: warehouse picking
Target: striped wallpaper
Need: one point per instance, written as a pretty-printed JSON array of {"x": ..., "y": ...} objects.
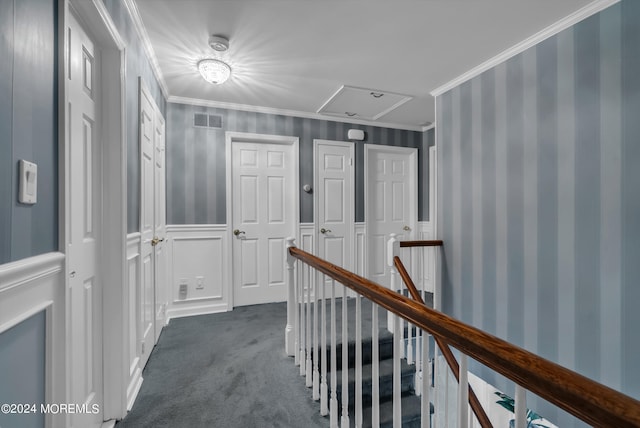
[
  {"x": 28, "y": 125},
  {"x": 539, "y": 163},
  {"x": 199, "y": 197},
  {"x": 137, "y": 64}
]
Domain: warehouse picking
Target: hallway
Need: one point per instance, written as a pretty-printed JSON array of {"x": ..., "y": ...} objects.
[{"x": 224, "y": 370}]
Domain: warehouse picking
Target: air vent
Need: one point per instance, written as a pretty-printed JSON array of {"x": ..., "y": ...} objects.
[{"x": 202, "y": 120}]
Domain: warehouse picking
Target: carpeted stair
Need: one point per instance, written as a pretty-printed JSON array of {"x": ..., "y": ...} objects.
[{"x": 410, "y": 402}]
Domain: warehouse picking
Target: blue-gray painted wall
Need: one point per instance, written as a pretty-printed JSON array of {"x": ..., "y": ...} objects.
[
  {"x": 22, "y": 370},
  {"x": 196, "y": 177},
  {"x": 28, "y": 125},
  {"x": 137, "y": 64},
  {"x": 540, "y": 199}
]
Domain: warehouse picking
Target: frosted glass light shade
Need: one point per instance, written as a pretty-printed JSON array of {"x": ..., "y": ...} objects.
[{"x": 214, "y": 71}]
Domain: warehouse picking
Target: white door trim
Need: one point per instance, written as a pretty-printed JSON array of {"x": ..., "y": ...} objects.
[
  {"x": 352, "y": 203},
  {"x": 413, "y": 200},
  {"x": 114, "y": 189},
  {"x": 230, "y": 138}
]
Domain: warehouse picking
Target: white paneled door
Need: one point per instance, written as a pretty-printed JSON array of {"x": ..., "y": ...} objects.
[
  {"x": 335, "y": 201},
  {"x": 152, "y": 292},
  {"x": 160, "y": 225},
  {"x": 83, "y": 225},
  {"x": 263, "y": 206},
  {"x": 391, "y": 202}
]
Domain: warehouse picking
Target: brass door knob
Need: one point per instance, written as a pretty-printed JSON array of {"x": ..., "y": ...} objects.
[
  {"x": 238, "y": 232},
  {"x": 155, "y": 241},
  {"x": 407, "y": 228},
  {"x": 323, "y": 230}
]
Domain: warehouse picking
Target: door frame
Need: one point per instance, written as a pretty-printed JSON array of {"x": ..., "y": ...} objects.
[
  {"x": 413, "y": 200},
  {"x": 248, "y": 137},
  {"x": 352, "y": 203},
  {"x": 113, "y": 158}
]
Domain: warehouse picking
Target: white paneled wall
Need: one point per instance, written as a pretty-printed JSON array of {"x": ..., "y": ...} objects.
[
  {"x": 200, "y": 265},
  {"x": 199, "y": 270},
  {"x": 28, "y": 287},
  {"x": 133, "y": 313}
]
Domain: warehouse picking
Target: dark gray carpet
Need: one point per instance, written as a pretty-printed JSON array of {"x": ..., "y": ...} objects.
[{"x": 224, "y": 370}]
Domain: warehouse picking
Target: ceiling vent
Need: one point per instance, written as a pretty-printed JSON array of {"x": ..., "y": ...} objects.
[
  {"x": 362, "y": 103},
  {"x": 203, "y": 120}
]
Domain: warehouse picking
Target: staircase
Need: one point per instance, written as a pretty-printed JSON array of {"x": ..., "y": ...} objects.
[{"x": 410, "y": 401}]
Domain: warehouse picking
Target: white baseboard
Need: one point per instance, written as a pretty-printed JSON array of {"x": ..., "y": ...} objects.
[{"x": 191, "y": 310}]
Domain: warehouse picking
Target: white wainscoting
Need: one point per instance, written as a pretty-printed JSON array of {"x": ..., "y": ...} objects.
[
  {"x": 28, "y": 287},
  {"x": 132, "y": 343},
  {"x": 199, "y": 259}
]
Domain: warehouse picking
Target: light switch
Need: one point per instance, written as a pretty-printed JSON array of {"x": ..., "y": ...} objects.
[{"x": 28, "y": 183}]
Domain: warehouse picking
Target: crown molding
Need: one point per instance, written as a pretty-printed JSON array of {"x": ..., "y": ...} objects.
[
  {"x": 132, "y": 8},
  {"x": 579, "y": 15},
  {"x": 294, "y": 113}
]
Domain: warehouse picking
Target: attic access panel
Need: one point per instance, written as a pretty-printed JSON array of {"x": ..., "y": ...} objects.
[{"x": 362, "y": 103}]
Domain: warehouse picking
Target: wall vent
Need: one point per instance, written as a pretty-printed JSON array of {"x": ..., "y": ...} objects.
[{"x": 203, "y": 120}]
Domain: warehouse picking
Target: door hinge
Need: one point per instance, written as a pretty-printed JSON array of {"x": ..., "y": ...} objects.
[{"x": 350, "y": 161}]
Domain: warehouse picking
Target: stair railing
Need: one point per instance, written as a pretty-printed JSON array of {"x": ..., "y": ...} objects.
[
  {"x": 584, "y": 398},
  {"x": 474, "y": 403}
]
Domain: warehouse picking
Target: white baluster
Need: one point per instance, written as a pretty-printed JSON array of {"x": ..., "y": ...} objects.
[
  {"x": 289, "y": 331},
  {"x": 324, "y": 389},
  {"x": 309, "y": 340},
  {"x": 521, "y": 407},
  {"x": 463, "y": 393},
  {"x": 425, "y": 382},
  {"x": 358, "y": 386},
  {"x": 303, "y": 323},
  {"x": 316, "y": 372},
  {"x": 296, "y": 324},
  {"x": 397, "y": 386},
  {"x": 333, "y": 404},
  {"x": 393, "y": 247},
  {"x": 375, "y": 368},
  {"x": 344, "y": 422}
]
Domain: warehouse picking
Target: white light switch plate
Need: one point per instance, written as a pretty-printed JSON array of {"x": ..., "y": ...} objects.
[{"x": 28, "y": 183}]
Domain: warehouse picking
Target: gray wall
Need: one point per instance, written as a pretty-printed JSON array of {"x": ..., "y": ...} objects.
[
  {"x": 199, "y": 198},
  {"x": 137, "y": 65},
  {"x": 22, "y": 370},
  {"x": 540, "y": 198},
  {"x": 28, "y": 125}
]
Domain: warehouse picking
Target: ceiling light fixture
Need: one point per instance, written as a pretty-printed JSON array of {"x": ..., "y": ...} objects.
[
  {"x": 218, "y": 43},
  {"x": 214, "y": 71}
]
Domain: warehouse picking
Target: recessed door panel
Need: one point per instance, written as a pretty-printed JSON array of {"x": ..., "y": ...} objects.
[
  {"x": 249, "y": 261},
  {"x": 276, "y": 261},
  {"x": 276, "y": 199},
  {"x": 334, "y": 202},
  {"x": 249, "y": 199}
]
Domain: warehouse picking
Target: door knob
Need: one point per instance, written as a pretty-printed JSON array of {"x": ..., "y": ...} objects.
[
  {"x": 407, "y": 228},
  {"x": 238, "y": 232},
  {"x": 323, "y": 230},
  {"x": 155, "y": 241}
]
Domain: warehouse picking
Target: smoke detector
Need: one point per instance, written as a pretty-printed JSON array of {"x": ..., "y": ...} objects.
[{"x": 218, "y": 43}]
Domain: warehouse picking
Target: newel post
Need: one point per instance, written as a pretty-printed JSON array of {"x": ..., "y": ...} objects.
[
  {"x": 393, "y": 249},
  {"x": 289, "y": 332}
]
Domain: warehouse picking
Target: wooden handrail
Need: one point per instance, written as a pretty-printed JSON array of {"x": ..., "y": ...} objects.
[
  {"x": 444, "y": 348},
  {"x": 584, "y": 398},
  {"x": 429, "y": 243}
]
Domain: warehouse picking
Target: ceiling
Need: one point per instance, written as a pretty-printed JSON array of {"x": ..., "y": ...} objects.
[{"x": 293, "y": 55}]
